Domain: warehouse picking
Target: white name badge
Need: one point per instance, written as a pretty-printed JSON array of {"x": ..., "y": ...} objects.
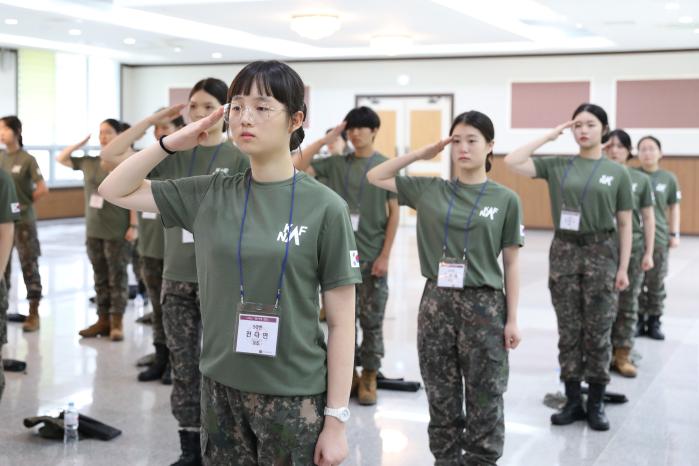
[
  {"x": 570, "y": 220},
  {"x": 257, "y": 334},
  {"x": 451, "y": 274},
  {"x": 16, "y": 168},
  {"x": 149, "y": 215},
  {"x": 96, "y": 201},
  {"x": 187, "y": 237},
  {"x": 354, "y": 218}
]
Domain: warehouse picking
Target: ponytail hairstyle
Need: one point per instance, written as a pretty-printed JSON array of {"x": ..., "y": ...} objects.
[
  {"x": 483, "y": 124},
  {"x": 15, "y": 125},
  {"x": 599, "y": 113},
  {"x": 276, "y": 79},
  {"x": 624, "y": 139},
  {"x": 116, "y": 125}
]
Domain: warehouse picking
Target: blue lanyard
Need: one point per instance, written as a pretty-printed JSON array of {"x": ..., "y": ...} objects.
[
  {"x": 361, "y": 182},
  {"x": 587, "y": 183},
  {"x": 211, "y": 162},
  {"x": 468, "y": 221},
  {"x": 288, "y": 240}
]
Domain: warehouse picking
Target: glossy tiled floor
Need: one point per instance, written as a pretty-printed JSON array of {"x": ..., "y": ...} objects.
[{"x": 659, "y": 426}]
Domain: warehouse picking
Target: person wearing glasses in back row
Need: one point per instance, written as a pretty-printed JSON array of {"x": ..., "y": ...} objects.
[{"x": 375, "y": 216}]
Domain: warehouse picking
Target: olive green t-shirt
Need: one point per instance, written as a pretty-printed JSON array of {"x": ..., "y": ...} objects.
[
  {"x": 496, "y": 224},
  {"x": 179, "y": 259},
  {"x": 322, "y": 255},
  {"x": 642, "y": 198},
  {"x": 609, "y": 190},
  {"x": 667, "y": 193},
  {"x": 9, "y": 205},
  {"x": 26, "y": 173},
  {"x": 346, "y": 175},
  {"x": 107, "y": 222},
  {"x": 151, "y": 235}
]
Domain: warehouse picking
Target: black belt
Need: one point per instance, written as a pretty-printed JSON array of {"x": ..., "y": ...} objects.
[{"x": 583, "y": 239}]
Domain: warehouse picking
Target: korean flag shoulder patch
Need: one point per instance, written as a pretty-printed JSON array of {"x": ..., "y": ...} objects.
[{"x": 354, "y": 259}]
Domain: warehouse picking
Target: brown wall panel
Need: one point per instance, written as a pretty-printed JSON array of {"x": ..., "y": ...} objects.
[
  {"x": 666, "y": 103},
  {"x": 61, "y": 203},
  {"x": 546, "y": 105}
]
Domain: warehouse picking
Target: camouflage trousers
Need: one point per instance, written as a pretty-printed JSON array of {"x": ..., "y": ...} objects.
[
  {"x": 624, "y": 327},
  {"x": 461, "y": 348},
  {"x": 581, "y": 281},
  {"x": 651, "y": 301},
  {"x": 152, "y": 274},
  {"x": 248, "y": 429},
  {"x": 3, "y": 329},
  {"x": 109, "y": 260},
  {"x": 182, "y": 324},
  {"x": 372, "y": 295},
  {"x": 29, "y": 251}
]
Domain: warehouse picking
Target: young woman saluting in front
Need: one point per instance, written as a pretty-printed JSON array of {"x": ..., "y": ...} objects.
[
  {"x": 265, "y": 242},
  {"x": 465, "y": 322}
]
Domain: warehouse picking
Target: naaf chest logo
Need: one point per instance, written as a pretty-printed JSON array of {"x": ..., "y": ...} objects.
[
  {"x": 293, "y": 232},
  {"x": 606, "y": 180},
  {"x": 489, "y": 212}
]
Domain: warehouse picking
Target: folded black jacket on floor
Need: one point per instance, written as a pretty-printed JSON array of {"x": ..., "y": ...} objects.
[{"x": 87, "y": 427}]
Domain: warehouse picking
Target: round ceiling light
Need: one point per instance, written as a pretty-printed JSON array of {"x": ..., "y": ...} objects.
[{"x": 315, "y": 26}]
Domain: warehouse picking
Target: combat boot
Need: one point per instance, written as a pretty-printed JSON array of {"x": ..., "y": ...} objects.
[
  {"x": 573, "y": 409},
  {"x": 191, "y": 449},
  {"x": 99, "y": 328},
  {"x": 367, "y": 388},
  {"x": 654, "y": 331},
  {"x": 596, "y": 418},
  {"x": 32, "y": 323},
  {"x": 116, "y": 332},
  {"x": 157, "y": 369},
  {"x": 621, "y": 362}
]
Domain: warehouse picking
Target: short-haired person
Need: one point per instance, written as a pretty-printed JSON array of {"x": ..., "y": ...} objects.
[
  {"x": 591, "y": 204},
  {"x": 266, "y": 240}
]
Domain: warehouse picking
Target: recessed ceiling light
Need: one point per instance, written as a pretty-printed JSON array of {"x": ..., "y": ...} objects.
[
  {"x": 403, "y": 80},
  {"x": 75, "y": 32},
  {"x": 129, "y": 41},
  {"x": 11, "y": 21},
  {"x": 672, "y": 6},
  {"x": 177, "y": 49},
  {"x": 685, "y": 19},
  {"x": 315, "y": 26},
  {"x": 217, "y": 55}
]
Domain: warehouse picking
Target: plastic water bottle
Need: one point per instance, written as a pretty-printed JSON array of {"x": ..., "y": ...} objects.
[{"x": 70, "y": 428}]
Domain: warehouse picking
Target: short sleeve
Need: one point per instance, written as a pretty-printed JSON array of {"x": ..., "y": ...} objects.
[
  {"x": 543, "y": 165},
  {"x": 322, "y": 167},
  {"x": 179, "y": 200},
  {"x": 35, "y": 171},
  {"x": 9, "y": 206},
  {"x": 338, "y": 258},
  {"x": 647, "y": 197},
  {"x": 77, "y": 162},
  {"x": 513, "y": 229},
  {"x": 411, "y": 188},
  {"x": 674, "y": 194},
  {"x": 624, "y": 196},
  {"x": 391, "y": 195}
]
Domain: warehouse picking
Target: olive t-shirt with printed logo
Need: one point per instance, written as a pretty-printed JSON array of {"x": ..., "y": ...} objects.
[
  {"x": 642, "y": 197},
  {"x": 25, "y": 172},
  {"x": 103, "y": 220},
  {"x": 496, "y": 224},
  {"x": 322, "y": 255},
  {"x": 609, "y": 190},
  {"x": 667, "y": 193},
  {"x": 346, "y": 175},
  {"x": 9, "y": 205},
  {"x": 179, "y": 259}
]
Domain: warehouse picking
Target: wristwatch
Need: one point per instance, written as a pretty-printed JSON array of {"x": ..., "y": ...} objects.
[{"x": 341, "y": 414}]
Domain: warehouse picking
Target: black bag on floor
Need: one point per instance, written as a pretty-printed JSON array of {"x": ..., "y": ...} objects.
[
  {"x": 87, "y": 427},
  {"x": 399, "y": 385}
]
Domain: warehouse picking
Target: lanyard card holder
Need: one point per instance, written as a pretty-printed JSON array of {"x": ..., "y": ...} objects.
[
  {"x": 570, "y": 219},
  {"x": 451, "y": 273},
  {"x": 257, "y": 329},
  {"x": 187, "y": 237},
  {"x": 96, "y": 201},
  {"x": 354, "y": 218}
]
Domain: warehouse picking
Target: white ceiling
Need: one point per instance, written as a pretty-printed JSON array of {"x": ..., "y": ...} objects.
[{"x": 244, "y": 30}]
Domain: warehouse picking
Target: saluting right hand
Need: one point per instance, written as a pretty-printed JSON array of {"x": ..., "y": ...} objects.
[
  {"x": 429, "y": 152},
  {"x": 167, "y": 114},
  {"x": 558, "y": 130},
  {"x": 193, "y": 134},
  {"x": 83, "y": 142},
  {"x": 335, "y": 133}
]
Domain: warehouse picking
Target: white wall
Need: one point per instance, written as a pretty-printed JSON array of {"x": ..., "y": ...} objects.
[
  {"x": 8, "y": 82},
  {"x": 480, "y": 84}
]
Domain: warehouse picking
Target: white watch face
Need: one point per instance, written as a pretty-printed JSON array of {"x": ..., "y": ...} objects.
[{"x": 344, "y": 414}]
